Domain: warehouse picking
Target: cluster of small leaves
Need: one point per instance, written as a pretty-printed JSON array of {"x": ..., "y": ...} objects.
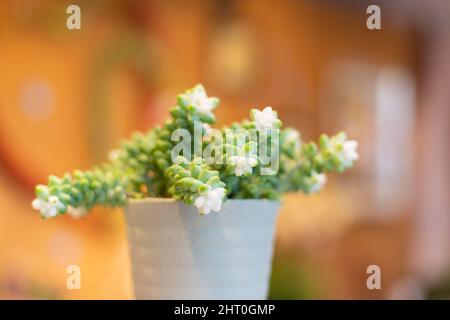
[
  {"x": 303, "y": 167},
  {"x": 143, "y": 166},
  {"x": 188, "y": 180},
  {"x": 82, "y": 190}
]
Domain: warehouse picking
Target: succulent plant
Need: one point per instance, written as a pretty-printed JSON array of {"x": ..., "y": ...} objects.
[{"x": 188, "y": 160}]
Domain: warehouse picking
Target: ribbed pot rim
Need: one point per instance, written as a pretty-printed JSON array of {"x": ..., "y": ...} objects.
[{"x": 173, "y": 200}]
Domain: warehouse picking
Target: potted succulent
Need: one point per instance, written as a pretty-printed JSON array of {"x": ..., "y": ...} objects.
[{"x": 201, "y": 203}]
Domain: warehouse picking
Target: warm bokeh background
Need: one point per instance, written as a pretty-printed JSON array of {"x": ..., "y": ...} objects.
[{"x": 66, "y": 97}]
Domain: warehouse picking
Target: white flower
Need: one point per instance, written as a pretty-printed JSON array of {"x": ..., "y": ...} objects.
[
  {"x": 77, "y": 213},
  {"x": 242, "y": 164},
  {"x": 319, "y": 180},
  {"x": 197, "y": 98},
  {"x": 293, "y": 136},
  {"x": 349, "y": 151},
  {"x": 211, "y": 200},
  {"x": 264, "y": 119},
  {"x": 345, "y": 149},
  {"x": 49, "y": 208},
  {"x": 114, "y": 154}
]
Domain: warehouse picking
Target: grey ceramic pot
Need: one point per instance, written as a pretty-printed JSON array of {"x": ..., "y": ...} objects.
[{"x": 178, "y": 254}]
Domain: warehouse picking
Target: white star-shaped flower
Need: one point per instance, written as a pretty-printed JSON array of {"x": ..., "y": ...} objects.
[
  {"x": 345, "y": 149},
  {"x": 210, "y": 201},
  {"x": 265, "y": 119},
  {"x": 318, "y": 180},
  {"x": 49, "y": 208},
  {"x": 293, "y": 136},
  {"x": 197, "y": 98},
  {"x": 77, "y": 213},
  {"x": 350, "y": 153},
  {"x": 242, "y": 165},
  {"x": 113, "y": 155}
]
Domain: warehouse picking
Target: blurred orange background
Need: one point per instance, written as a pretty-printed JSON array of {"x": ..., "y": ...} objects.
[{"x": 68, "y": 96}]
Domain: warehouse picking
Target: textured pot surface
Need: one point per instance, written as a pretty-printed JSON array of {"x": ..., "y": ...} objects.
[{"x": 178, "y": 254}]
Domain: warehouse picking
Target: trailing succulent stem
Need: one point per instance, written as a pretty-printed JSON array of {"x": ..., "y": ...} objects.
[{"x": 255, "y": 158}]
